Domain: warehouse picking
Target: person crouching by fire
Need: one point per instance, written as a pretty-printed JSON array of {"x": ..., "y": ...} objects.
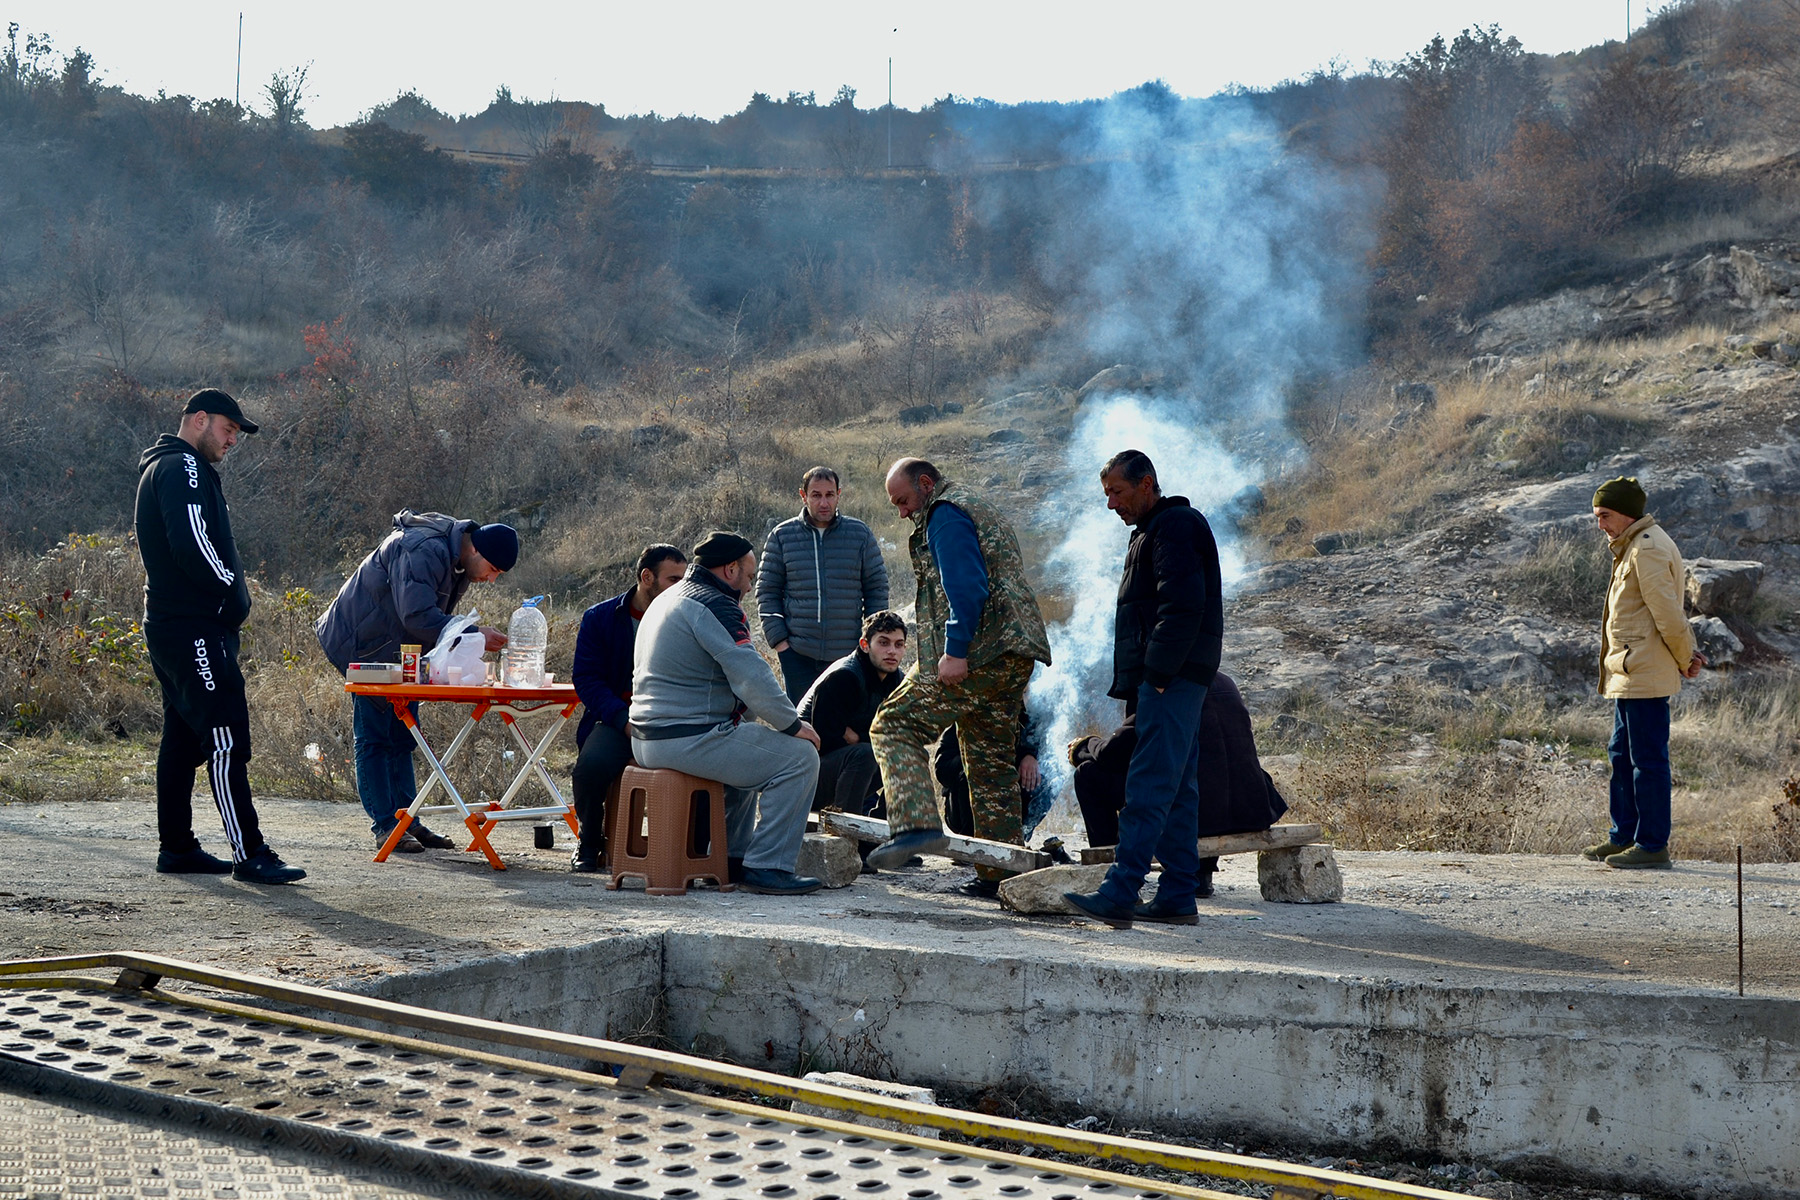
[{"x": 1168, "y": 635}]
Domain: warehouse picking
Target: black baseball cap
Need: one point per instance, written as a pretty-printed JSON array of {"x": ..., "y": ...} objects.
[{"x": 212, "y": 400}]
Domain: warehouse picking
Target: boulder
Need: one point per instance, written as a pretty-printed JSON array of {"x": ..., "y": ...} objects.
[
  {"x": 590, "y": 433},
  {"x": 834, "y": 860},
  {"x": 1042, "y": 891},
  {"x": 1415, "y": 395},
  {"x": 1716, "y": 641},
  {"x": 1722, "y": 586},
  {"x": 1334, "y": 541},
  {"x": 919, "y": 414},
  {"x": 1002, "y": 436},
  {"x": 1116, "y": 378},
  {"x": 1301, "y": 875}
]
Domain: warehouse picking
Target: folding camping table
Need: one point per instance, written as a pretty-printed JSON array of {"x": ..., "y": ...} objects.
[{"x": 556, "y": 700}]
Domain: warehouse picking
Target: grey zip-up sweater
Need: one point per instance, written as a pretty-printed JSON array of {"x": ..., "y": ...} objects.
[
  {"x": 814, "y": 586},
  {"x": 693, "y": 667}
]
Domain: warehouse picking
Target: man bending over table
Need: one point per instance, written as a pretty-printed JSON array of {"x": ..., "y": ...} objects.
[
  {"x": 694, "y": 678},
  {"x": 406, "y": 592}
]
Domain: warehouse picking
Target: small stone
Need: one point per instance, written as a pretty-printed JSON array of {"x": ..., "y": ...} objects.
[
  {"x": 1042, "y": 891},
  {"x": 833, "y": 860},
  {"x": 1300, "y": 875},
  {"x": 589, "y": 433}
]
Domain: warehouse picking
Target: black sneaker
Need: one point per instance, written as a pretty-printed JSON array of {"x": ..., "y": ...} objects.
[
  {"x": 265, "y": 866},
  {"x": 767, "y": 881},
  {"x": 190, "y": 862},
  {"x": 584, "y": 862},
  {"x": 430, "y": 840}
]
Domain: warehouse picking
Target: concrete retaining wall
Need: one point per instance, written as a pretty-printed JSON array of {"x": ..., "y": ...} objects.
[{"x": 1685, "y": 1093}]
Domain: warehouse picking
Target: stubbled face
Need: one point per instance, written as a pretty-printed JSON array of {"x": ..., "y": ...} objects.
[
  {"x": 212, "y": 435},
  {"x": 907, "y": 497},
  {"x": 667, "y": 574},
  {"x": 478, "y": 569},
  {"x": 738, "y": 575},
  {"x": 821, "y": 496},
  {"x": 885, "y": 650},
  {"x": 1130, "y": 500},
  {"x": 1611, "y": 523}
]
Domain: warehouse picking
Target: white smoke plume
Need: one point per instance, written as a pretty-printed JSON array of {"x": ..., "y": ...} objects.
[{"x": 1199, "y": 249}]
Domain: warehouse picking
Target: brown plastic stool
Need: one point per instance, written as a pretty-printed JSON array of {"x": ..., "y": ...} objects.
[{"x": 668, "y": 829}]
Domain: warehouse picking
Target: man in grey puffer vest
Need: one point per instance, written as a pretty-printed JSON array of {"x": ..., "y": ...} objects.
[{"x": 821, "y": 575}]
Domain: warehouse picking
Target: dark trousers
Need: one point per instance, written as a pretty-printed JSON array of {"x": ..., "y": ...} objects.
[
  {"x": 1641, "y": 779},
  {"x": 205, "y": 720},
  {"x": 848, "y": 780},
  {"x": 603, "y": 758},
  {"x": 384, "y": 760},
  {"x": 1161, "y": 817},
  {"x": 1101, "y": 794},
  {"x": 798, "y": 672}
]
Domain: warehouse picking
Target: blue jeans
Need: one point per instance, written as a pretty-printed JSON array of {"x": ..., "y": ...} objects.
[
  {"x": 384, "y": 763},
  {"x": 1641, "y": 780},
  {"x": 1161, "y": 817}
]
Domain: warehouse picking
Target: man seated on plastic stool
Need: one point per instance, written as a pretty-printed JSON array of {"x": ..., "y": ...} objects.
[{"x": 694, "y": 678}]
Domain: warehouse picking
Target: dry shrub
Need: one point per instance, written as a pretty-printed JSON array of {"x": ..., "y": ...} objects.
[
  {"x": 1565, "y": 573},
  {"x": 1786, "y": 830}
]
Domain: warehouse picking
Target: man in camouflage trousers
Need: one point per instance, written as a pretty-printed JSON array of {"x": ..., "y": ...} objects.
[{"x": 980, "y": 636}]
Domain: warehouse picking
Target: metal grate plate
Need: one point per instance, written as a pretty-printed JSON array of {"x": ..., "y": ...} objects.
[{"x": 444, "y": 1120}]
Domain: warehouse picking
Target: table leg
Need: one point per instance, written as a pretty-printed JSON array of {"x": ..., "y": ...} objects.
[{"x": 438, "y": 776}]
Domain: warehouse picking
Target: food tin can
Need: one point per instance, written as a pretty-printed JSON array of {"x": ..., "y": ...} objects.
[{"x": 409, "y": 663}]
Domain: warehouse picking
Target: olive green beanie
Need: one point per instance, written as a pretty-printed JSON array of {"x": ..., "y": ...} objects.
[{"x": 1623, "y": 495}]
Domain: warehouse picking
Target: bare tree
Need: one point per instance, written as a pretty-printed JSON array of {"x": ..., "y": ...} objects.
[{"x": 286, "y": 91}]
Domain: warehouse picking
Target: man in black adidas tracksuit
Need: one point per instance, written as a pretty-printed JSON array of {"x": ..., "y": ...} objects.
[{"x": 195, "y": 599}]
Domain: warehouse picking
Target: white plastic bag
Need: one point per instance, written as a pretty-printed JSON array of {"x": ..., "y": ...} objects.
[{"x": 458, "y": 650}]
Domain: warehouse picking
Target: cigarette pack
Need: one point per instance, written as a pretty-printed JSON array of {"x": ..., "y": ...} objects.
[{"x": 373, "y": 673}]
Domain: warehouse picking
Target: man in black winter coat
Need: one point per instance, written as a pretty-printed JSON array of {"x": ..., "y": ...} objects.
[
  {"x": 841, "y": 704},
  {"x": 195, "y": 601},
  {"x": 1168, "y": 634}
]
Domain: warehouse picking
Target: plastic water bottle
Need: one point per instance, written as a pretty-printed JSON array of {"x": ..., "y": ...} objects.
[{"x": 526, "y": 638}]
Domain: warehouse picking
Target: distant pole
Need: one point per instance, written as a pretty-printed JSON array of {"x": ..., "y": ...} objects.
[
  {"x": 1628, "y": 20},
  {"x": 237, "y": 91},
  {"x": 890, "y": 112},
  {"x": 1740, "y": 907}
]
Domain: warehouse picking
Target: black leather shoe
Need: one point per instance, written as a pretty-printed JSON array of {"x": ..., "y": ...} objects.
[
  {"x": 896, "y": 850},
  {"x": 408, "y": 844},
  {"x": 265, "y": 866},
  {"x": 981, "y": 889},
  {"x": 191, "y": 862},
  {"x": 1166, "y": 913},
  {"x": 430, "y": 840},
  {"x": 766, "y": 881},
  {"x": 1100, "y": 908}
]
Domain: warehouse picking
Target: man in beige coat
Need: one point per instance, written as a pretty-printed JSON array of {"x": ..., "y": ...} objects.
[{"x": 1646, "y": 649}]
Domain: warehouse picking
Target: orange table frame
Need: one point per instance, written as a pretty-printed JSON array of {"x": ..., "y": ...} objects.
[{"x": 558, "y": 699}]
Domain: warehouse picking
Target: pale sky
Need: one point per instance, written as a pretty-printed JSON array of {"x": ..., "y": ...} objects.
[{"x": 706, "y": 57}]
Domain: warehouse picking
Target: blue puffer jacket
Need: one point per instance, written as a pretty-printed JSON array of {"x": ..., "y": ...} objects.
[
  {"x": 815, "y": 586},
  {"x": 405, "y": 591}
]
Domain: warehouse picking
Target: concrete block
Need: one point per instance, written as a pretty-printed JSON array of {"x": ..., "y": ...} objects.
[
  {"x": 834, "y": 860},
  {"x": 1042, "y": 891},
  {"x": 875, "y": 1087},
  {"x": 1300, "y": 875}
]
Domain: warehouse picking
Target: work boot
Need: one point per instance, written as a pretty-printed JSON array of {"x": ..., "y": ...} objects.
[
  {"x": 265, "y": 866},
  {"x": 1604, "y": 850},
  {"x": 1166, "y": 912},
  {"x": 1203, "y": 886},
  {"x": 408, "y": 844},
  {"x": 1638, "y": 858},
  {"x": 767, "y": 881},
  {"x": 896, "y": 850},
  {"x": 430, "y": 840},
  {"x": 190, "y": 862},
  {"x": 1096, "y": 905},
  {"x": 979, "y": 888}
]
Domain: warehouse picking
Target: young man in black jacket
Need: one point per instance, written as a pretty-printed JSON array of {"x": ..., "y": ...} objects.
[
  {"x": 841, "y": 703},
  {"x": 195, "y": 600},
  {"x": 1168, "y": 634}
]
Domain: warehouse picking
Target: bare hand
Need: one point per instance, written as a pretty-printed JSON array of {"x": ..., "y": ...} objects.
[
  {"x": 850, "y": 738},
  {"x": 809, "y": 733},
  {"x": 782, "y": 646},
  {"x": 1029, "y": 776},
  {"x": 1693, "y": 667},
  {"x": 952, "y": 670},
  {"x": 493, "y": 637}
]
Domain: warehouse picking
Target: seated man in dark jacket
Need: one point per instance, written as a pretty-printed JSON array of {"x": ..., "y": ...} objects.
[
  {"x": 406, "y": 591},
  {"x": 1236, "y": 794},
  {"x": 841, "y": 703},
  {"x": 602, "y": 678}
]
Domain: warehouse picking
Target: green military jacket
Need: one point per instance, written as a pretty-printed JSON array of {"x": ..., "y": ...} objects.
[{"x": 1010, "y": 621}]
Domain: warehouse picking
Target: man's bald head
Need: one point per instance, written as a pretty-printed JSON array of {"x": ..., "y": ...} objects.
[{"x": 910, "y": 485}]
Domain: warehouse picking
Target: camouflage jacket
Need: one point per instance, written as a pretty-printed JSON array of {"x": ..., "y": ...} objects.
[{"x": 1010, "y": 621}]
